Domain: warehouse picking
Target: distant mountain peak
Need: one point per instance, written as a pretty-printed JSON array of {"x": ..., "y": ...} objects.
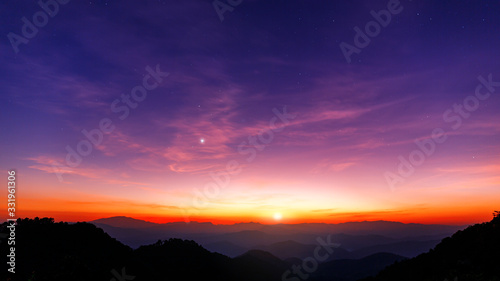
[
  {"x": 124, "y": 222},
  {"x": 260, "y": 255}
]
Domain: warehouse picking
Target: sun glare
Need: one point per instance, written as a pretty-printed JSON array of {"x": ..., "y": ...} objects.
[{"x": 277, "y": 216}]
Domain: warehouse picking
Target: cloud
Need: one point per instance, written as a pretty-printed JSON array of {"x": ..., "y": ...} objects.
[
  {"x": 106, "y": 176},
  {"x": 329, "y": 165}
]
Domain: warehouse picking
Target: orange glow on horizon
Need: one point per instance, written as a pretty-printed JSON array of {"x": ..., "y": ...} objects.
[
  {"x": 459, "y": 211},
  {"x": 439, "y": 218}
]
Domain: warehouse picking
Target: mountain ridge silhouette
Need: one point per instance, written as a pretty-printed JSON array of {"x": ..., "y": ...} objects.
[{"x": 82, "y": 251}]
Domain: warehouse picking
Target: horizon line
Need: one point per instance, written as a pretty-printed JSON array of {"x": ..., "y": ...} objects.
[{"x": 243, "y": 222}]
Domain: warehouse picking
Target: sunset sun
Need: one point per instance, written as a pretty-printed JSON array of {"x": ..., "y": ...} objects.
[{"x": 277, "y": 216}]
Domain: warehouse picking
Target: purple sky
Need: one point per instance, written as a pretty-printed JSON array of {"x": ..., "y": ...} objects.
[{"x": 351, "y": 120}]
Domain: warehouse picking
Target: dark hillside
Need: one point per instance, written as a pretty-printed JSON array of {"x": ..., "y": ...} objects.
[{"x": 472, "y": 254}]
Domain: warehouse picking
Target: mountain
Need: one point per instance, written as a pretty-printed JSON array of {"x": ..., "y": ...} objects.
[
  {"x": 232, "y": 240},
  {"x": 45, "y": 250},
  {"x": 133, "y": 237},
  {"x": 177, "y": 259},
  {"x": 226, "y": 248},
  {"x": 288, "y": 249},
  {"x": 60, "y": 251},
  {"x": 82, "y": 251},
  {"x": 408, "y": 249},
  {"x": 246, "y": 238},
  {"x": 264, "y": 266},
  {"x": 395, "y": 230},
  {"x": 471, "y": 254},
  {"x": 292, "y": 249},
  {"x": 354, "y": 242},
  {"x": 124, "y": 222},
  {"x": 352, "y": 270}
]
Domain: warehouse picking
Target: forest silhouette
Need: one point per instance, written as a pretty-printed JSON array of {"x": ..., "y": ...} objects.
[{"x": 46, "y": 250}]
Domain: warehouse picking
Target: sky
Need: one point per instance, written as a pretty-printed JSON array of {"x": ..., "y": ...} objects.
[{"x": 252, "y": 110}]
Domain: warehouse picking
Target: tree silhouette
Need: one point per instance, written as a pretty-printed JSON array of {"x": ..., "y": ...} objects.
[
  {"x": 496, "y": 214},
  {"x": 81, "y": 251},
  {"x": 471, "y": 254}
]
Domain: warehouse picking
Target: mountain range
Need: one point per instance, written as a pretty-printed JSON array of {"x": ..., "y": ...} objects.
[
  {"x": 46, "y": 250},
  {"x": 356, "y": 239}
]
